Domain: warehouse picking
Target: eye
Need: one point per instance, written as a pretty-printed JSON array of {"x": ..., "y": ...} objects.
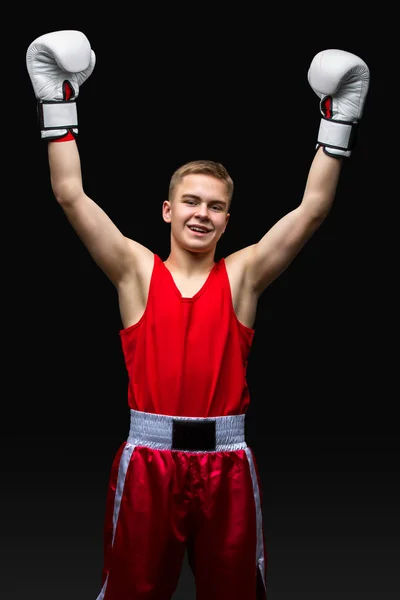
[
  {"x": 216, "y": 207},
  {"x": 190, "y": 202}
]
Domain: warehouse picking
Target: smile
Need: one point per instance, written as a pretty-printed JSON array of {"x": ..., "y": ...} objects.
[{"x": 198, "y": 229}]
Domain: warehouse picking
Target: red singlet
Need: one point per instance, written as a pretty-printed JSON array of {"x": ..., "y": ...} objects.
[{"x": 188, "y": 356}]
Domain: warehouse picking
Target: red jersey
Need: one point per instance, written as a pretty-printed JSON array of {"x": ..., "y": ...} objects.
[{"x": 188, "y": 356}]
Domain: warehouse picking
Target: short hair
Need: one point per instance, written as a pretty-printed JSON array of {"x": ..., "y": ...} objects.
[{"x": 202, "y": 167}]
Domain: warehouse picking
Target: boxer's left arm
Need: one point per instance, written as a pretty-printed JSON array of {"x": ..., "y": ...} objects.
[
  {"x": 267, "y": 259},
  {"x": 341, "y": 81}
]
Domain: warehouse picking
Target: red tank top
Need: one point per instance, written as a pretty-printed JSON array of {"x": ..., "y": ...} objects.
[{"x": 188, "y": 356}]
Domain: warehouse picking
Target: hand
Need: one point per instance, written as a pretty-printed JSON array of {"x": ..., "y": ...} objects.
[
  {"x": 341, "y": 81},
  {"x": 58, "y": 63}
]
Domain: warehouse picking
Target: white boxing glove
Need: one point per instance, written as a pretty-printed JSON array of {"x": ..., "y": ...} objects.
[
  {"x": 341, "y": 81},
  {"x": 58, "y": 63}
]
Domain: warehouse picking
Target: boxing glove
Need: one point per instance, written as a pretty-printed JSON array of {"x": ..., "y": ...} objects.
[
  {"x": 58, "y": 63},
  {"x": 341, "y": 81}
]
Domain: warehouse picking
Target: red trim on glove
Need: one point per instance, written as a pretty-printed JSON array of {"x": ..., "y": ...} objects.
[
  {"x": 68, "y": 92},
  {"x": 66, "y": 138},
  {"x": 327, "y": 107}
]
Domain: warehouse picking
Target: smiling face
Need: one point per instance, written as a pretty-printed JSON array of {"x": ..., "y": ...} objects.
[{"x": 197, "y": 212}]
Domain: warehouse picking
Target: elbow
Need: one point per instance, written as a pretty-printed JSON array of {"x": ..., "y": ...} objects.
[
  {"x": 323, "y": 213},
  {"x": 316, "y": 210},
  {"x": 317, "y": 220},
  {"x": 66, "y": 192}
]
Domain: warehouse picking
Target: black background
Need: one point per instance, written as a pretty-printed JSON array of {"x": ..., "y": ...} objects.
[{"x": 230, "y": 85}]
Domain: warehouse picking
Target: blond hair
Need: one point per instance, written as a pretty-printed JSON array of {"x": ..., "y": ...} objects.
[{"x": 202, "y": 167}]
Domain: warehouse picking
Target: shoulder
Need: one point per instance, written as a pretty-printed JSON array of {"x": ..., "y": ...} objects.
[
  {"x": 138, "y": 263},
  {"x": 140, "y": 255},
  {"x": 237, "y": 262},
  {"x": 236, "y": 265}
]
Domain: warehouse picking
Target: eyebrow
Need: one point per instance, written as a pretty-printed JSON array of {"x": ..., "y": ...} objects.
[{"x": 194, "y": 197}]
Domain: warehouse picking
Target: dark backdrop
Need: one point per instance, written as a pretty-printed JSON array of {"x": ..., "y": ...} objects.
[{"x": 167, "y": 88}]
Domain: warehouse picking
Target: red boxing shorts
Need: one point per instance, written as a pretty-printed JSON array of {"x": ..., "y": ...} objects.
[{"x": 182, "y": 483}]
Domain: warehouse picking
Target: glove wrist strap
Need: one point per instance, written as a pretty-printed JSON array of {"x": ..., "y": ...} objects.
[
  {"x": 339, "y": 135},
  {"x": 57, "y": 117}
]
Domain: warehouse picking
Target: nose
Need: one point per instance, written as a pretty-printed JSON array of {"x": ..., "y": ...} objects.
[{"x": 202, "y": 211}]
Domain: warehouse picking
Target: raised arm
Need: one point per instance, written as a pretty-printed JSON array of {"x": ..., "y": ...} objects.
[
  {"x": 115, "y": 254},
  {"x": 281, "y": 244},
  {"x": 341, "y": 81},
  {"x": 58, "y": 63}
]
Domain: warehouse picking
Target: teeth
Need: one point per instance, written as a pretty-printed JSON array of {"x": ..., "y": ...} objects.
[{"x": 198, "y": 229}]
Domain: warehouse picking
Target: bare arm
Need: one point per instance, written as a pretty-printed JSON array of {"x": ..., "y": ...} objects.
[
  {"x": 267, "y": 259},
  {"x": 341, "y": 80},
  {"x": 115, "y": 254}
]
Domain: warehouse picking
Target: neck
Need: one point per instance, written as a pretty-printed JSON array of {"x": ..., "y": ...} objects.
[{"x": 183, "y": 260}]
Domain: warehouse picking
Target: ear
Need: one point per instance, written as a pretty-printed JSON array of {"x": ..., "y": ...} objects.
[
  {"x": 226, "y": 222},
  {"x": 166, "y": 211}
]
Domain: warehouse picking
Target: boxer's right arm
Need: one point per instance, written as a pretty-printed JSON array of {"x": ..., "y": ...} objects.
[
  {"x": 58, "y": 64},
  {"x": 115, "y": 254}
]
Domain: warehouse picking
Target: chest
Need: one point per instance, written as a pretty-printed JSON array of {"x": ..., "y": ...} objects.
[
  {"x": 227, "y": 291},
  {"x": 188, "y": 288}
]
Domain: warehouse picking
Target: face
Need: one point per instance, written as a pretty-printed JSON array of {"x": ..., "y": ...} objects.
[{"x": 198, "y": 212}]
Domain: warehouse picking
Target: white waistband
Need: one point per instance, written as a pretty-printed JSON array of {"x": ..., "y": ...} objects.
[{"x": 157, "y": 431}]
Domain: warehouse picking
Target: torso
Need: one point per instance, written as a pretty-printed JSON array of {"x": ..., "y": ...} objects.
[{"x": 133, "y": 291}]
